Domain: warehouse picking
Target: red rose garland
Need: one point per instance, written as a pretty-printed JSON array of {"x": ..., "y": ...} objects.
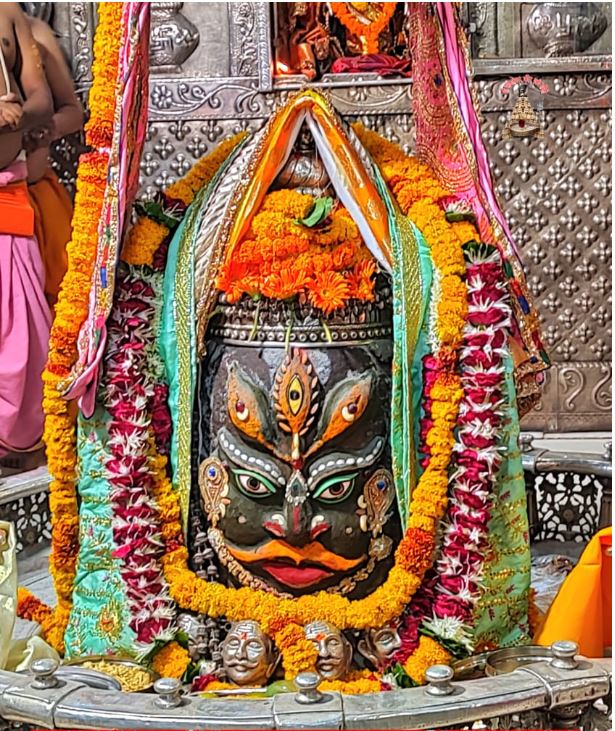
[{"x": 478, "y": 448}]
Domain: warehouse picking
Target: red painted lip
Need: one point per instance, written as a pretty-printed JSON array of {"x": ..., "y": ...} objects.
[{"x": 299, "y": 577}]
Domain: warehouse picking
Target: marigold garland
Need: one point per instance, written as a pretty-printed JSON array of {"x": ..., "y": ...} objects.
[
  {"x": 357, "y": 682},
  {"x": 298, "y": 652},
  {"x": 171, "y": 661},
  {"x": 279, "y": 258},
  {"x": 414, "y": 554},
  {"x": 146, "y": 236},
  {"x": 71, "y": 310},
  {"x": 143, "y": 241},
  {"x": 216, "y": 600},
  {"x": 371, "y": 31}
]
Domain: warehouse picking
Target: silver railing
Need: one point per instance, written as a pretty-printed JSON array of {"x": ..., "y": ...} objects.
[
  {"x": 558, "y": 694},
  {"x": 538, "y": 461}
]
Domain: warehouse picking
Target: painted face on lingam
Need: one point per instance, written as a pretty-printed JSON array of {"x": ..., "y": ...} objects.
[
  {"x": 379, "y": 645},
  {"x": 334, "y": 650},
  {"x": 294, "y": 473},
  {"x": 248, "y": 655}
]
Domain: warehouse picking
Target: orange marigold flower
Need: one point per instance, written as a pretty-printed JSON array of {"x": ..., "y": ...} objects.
[
  {"x": 305, "y": 262},
  {"x": 328, "y": 291},
  {"x": 285, "y": 283},
  {"x": 428, "y": 653},
  {"x": 321, "y": 261},
  {"x": 361, "y": 280},
  {"x": 343, "y": 256}
]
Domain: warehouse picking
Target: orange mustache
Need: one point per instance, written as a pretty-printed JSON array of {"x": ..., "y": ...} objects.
[{"x": 314, "y": 552}]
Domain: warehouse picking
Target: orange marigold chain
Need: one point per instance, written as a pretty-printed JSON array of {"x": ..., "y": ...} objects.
[
  {"x": 71, "y": 311},
  {"x": 146, "y": 236},
  {"x": 368, "y": 31}
]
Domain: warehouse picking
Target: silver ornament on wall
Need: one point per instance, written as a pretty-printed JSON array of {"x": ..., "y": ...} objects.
[
  {"x": 173, "y": 38},
  {"x": 566, "y": 28}
]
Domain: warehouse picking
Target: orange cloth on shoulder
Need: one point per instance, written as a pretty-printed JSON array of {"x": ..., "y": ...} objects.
[
  {"x": 16, "y": 214},
  {"x": 582, "y": 609},
  {"x": 53, "y": 212}
]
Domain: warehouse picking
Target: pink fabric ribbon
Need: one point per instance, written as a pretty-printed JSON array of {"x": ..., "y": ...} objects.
[
  {"x": 457, "y": 71},
  {"x": 121, "y": 190}
]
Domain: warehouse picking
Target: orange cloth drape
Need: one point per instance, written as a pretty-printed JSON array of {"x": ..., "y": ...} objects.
[
  {"x": 53, "y": 212},
  {"x": 582, "y": 609},
  {"x": 16, "y": 215}
]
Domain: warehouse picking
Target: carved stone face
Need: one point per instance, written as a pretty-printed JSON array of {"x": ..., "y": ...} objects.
[
  {"x": 334, "y": 650},
  {"x": 248, "y": 655},
  {"x": 295, "y": 465},
  {"x": 379, "y": 645}
]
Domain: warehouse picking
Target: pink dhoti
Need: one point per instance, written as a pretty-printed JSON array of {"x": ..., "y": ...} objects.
[{"x": 25, "y": 318}]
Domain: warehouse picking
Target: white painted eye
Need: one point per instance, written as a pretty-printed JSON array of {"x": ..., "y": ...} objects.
[
  {"x": 349, "y": 412},
  {"x": 337, "y": 491},
  {"x": 252, "y": 485},
  {"x": 241, "y": 411}
]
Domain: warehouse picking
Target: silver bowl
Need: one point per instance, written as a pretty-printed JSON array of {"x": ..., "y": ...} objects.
[
  {"x": 472, "y": 667},
  {"x": 505, "y": 661}
]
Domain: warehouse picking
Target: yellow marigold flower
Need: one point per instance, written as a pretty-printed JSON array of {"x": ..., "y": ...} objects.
[
  {"x": 143, "y": 240},
  {"x": 171, "y": 661},
  {"x": 288, "y": 203},
  {"x": 428, "y": 653}
]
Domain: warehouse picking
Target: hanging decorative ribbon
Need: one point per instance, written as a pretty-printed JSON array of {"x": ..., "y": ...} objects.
[{"x": 128, "y": 137}]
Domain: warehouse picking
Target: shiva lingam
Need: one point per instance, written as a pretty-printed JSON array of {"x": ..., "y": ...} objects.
[
  {"x": 293, "y": 492},
  {"x": 294, "y": 475}
]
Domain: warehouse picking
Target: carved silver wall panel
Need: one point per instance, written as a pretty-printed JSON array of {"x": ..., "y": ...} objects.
[
  {"x": 569, "y": 507},
  {"x": 74, "y": 24},
  {"x": 172, "y": 148},
  {"x": 244, "y": 39},
  {"x": 555, "y": 191}
]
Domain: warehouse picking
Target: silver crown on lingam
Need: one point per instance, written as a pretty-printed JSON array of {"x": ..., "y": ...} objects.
[{"x": 283, "y": 323}]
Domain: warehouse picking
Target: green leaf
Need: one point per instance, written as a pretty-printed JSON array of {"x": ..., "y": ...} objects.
[
  {"x": 153, "y": 210},
  {"x": 182, "y": 638},
  {"x": 402, "y": 678},
  {"x": 192, "y": 671},
  {"x": 320, "y": 210},
  {"x": 456, "y": 216}
]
